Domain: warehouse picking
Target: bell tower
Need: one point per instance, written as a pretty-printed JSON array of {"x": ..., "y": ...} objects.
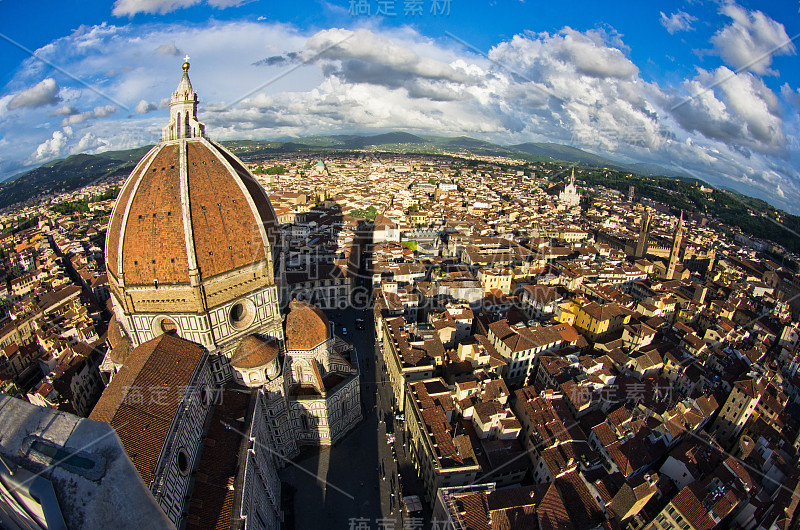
[
  {"x": 644, "y": 234},
  {"x": 676, "y": 247}
]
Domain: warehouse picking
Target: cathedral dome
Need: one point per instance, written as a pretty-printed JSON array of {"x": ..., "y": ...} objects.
[
  {"x": 190, "y": 224},
  {"x": 306, "y": 326}
]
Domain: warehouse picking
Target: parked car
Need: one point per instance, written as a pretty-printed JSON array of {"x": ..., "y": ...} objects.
[
  {"x": 344, "y": 331},
  {"x": 359, "y": 323}
]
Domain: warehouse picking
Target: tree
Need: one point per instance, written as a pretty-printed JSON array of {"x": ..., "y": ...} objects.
[
  {"x": 275, "y": 170},
  {"x": 369, "y": 213}
]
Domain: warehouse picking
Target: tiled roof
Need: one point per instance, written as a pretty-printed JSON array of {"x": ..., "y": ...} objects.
[
  {"x": 552, "y": 511},
  {"x": 142, "y": 399},
  {"x": 604, "y": 312},
  {"x": 605, "y": 434},
  {"x": 155, "y": 216},
  {"x": 687, "y": 503},
  {"x": 306, "y": 326},
  {"x": 213, "y": 495},
  {"x": 254, "y": 351},
  {"x": 583, "y": 509}
]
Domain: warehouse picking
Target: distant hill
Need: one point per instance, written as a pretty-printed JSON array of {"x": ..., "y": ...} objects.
[
  {"x": 566, "y": 153},
  {"x": 67, "y": 174},
  {"x": 79, "y": 170}
]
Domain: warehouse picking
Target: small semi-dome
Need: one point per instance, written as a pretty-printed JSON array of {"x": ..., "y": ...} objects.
[
  {"x": 306, "y": 326},
  {"x": 119, "y": 353},
  {"x": 254, "y": 352},
  {"x": 121, "y": 345}
]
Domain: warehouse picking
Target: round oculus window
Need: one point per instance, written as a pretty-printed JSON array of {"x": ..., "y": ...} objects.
[
  {"x": 183, "y": 461},
  {"x": 161, "y": 325},
  {"x": 242, "y": 314}
]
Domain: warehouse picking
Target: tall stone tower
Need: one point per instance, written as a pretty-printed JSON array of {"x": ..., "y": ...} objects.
[
  {"x": 183, "y": 111},
  {"x": 190, "y": 249},
  {"x": 676, "y": 247},
  {"x": 644, "y": 233}
]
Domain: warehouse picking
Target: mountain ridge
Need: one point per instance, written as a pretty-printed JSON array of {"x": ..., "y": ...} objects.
[{"x": 80, "y": 169}]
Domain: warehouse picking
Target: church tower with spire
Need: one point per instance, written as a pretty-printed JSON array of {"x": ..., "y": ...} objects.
[
  {"x": 183, "y": 121},
  {"x": 676, "y": 247}
]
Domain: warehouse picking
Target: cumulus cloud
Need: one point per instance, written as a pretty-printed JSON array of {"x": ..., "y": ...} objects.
[
  {"x": 39, "y": 95},
  {"x": 54, "y": 147},
  {"x": 65, "y": 110},
  {"x": 97, "y": 112},
  {"x": 751, "y": 40},
  {"x": 366, "y": 55},
  {"x": 741, "y": 110},
  {"x": 792, "y": 96},
  {"x": 572, "y": 87},
  {"x": 678, "y": 21},
  {"x": 144, "y": 106},
  {"x": 89, "y": 143},
  {"x": 583, "y": 53}
]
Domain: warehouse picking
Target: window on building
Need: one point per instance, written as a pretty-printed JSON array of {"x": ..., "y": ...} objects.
[
  {"x": 168, "y": 326},
  {"x": 183, "y": 461}
]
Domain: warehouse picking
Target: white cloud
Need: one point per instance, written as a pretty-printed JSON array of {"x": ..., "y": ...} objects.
[
  {"x": 573, "y": 87},
  {"x": 65, "y": 110},
  {"x": 169, "y": 49},
  {"x": 582, "y": 53},
  {"x": 222, "y": 4},
  {"x": 678, "y": 21},
  {"x": 97, "y": 112},
  {"x": 792, "y": 96},
  {"x": 741, "y": 110},
  {"x": 89, "y": 143},
  {"x": 43, "y": 93},
  {"x": 751, "y": 40},
  {"x": 130, "y": 8},
  {"x": 144, "y": 106},
  {"x": 54, "y": 147}
]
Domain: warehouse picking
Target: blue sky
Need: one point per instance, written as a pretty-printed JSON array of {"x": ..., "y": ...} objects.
[{"x": 710, "y": 88}]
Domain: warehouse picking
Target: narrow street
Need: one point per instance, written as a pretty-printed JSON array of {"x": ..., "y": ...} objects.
[{"x": 359, "y": 479}]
